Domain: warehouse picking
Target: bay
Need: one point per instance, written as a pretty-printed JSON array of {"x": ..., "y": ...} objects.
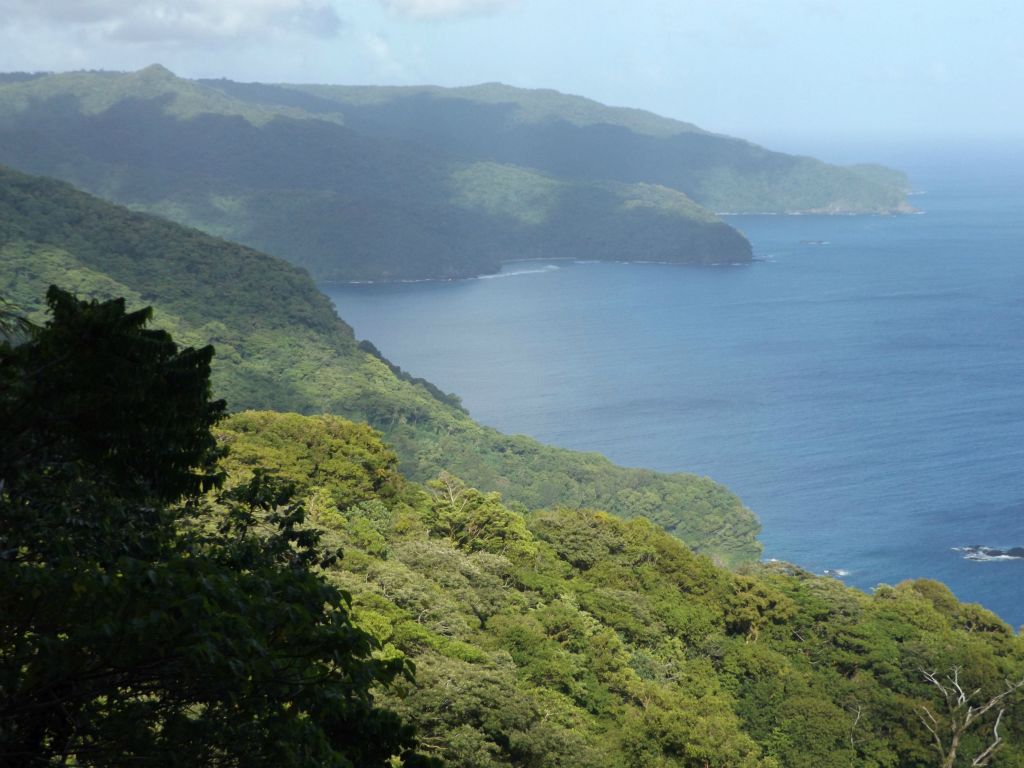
[{"x": 860, "y": 386}]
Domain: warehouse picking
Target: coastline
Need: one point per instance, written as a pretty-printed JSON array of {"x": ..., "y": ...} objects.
[{"x": 536, "y": 260}]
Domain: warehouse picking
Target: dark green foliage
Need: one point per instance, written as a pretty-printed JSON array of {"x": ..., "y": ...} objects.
[
  {"x": 97, "y": 388},
  {"x": 280, "y": 345},
  {"x": 149, "y": 254},
  {"x": 141, "y": 621}
]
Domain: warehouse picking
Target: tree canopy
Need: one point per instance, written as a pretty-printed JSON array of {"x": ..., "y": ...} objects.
[
  {"x": 569, "y": 637},
  {"x": 145, "y": 616}
]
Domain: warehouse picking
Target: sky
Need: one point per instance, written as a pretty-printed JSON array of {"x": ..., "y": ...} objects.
[{"x": 792, "y": 74}]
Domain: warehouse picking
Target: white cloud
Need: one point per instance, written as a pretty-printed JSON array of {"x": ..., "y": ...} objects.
[
  {"x": 385, "y": 61},
  {"x": 177, "y": 20},
  {"x": 434, "y": 9}
]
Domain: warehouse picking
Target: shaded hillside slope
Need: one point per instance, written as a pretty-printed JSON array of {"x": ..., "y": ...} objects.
[
  {"x": 281, "y": 346},
  {"x": 345, "y": 203}
]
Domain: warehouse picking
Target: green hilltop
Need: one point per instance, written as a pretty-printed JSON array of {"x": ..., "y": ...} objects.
[{"x": 281, "y": 346}]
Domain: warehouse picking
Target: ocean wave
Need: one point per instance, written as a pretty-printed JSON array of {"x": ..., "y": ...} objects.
[
  {"x": 516, "y": 273},
  {"x": 982, "y": 554},
  {"x": 836, "y": 573}
]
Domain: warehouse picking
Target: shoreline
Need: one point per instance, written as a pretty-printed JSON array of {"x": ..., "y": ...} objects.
[{"x": 563, "y": 259}]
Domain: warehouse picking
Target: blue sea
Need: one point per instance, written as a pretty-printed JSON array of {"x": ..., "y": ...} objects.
[{"x": 860, "y": 386}]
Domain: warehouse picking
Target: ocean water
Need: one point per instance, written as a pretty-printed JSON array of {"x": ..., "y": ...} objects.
[{"x": 860, "y": 387}]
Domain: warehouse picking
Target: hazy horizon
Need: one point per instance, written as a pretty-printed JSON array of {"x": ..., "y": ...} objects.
[{"x": 796, "y": 75}]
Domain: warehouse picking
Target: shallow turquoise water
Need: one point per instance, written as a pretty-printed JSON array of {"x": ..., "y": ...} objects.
[{"x": 863, "y": 397}]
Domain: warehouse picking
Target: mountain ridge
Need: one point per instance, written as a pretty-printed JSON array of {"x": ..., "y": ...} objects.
[
  {"x": 540, "y": 106},
  {"x": 358, "y": 183}
]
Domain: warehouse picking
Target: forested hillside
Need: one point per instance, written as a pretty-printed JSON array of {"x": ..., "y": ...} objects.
[
  {"x": 345, "y": 203},
  {"x": 281, "y": 346},
  {"x": 566, "y": 637}
]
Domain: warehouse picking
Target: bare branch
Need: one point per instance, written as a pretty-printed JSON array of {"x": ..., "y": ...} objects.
[
  {"x": 997, "y": 741},
  {"x": 923, "y": 713},
  {"x": 853, "y": 728},
  {"x": 962, "y": 716},
  {"x": 961, "y": 697},
  {"x": 974, "y": 713},
  {"x": 932, "y": 678}
]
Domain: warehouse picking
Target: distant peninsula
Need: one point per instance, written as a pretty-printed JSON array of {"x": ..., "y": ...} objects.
[{"x": 358, "y": 183}]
